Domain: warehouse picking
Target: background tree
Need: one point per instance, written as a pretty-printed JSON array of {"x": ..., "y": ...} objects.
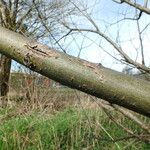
[{"x": 23, "y": 16}]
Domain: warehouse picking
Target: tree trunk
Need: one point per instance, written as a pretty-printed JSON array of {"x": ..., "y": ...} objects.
[
  {"x": 5, "y": 66},
  {"x": 113, "y": 86}
]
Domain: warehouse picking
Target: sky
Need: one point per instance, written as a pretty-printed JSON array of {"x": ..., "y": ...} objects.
[
  {"x": 95, "y": 49},
  {"x": 105, "y": 14}
]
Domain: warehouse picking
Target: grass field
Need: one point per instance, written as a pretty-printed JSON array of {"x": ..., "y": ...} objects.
[{"x": 34, "y": 126}]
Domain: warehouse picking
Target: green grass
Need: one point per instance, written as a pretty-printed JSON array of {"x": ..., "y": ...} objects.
[{"x": 71, "y": 129}]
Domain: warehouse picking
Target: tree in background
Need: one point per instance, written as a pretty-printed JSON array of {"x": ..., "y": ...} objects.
[{"x": 31, "y": 18}]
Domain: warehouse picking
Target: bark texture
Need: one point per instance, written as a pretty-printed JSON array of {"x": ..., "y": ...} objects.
[
  {"x": 5, "y": 66},
  {"x": 115, "y": 87}
]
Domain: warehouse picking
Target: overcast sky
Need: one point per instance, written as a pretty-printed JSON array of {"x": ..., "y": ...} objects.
[
  {"x": 105, "y": 13},
  {"x": 96, "y": 49}
]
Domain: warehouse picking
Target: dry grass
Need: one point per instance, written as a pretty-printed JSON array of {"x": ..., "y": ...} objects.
[{"x": 71, "y": 119}]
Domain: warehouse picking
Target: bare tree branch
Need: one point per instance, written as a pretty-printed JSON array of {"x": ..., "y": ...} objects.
[
  {"x": 145, "y": 3},
  {"x": 136, "y": 5},
  {"x": 133, "y": 117},
  {"x": 118, "y": 48},
  {"x": 141, "y": 43},
  {"x": 99, "y": 81}
]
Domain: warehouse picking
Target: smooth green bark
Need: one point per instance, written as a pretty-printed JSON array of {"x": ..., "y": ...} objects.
[{"x": 115, "y": 87}]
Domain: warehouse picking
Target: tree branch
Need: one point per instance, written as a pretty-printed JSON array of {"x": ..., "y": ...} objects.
[
  {"x": 115, "y": 87},
  {"x": 135, "y": 5},
  {"x": 118, "y": 48}
]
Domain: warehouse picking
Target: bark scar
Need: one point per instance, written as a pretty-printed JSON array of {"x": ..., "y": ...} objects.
[
  {"x": 95, "y": 68},
  {"x": 41, "y": 49}
]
